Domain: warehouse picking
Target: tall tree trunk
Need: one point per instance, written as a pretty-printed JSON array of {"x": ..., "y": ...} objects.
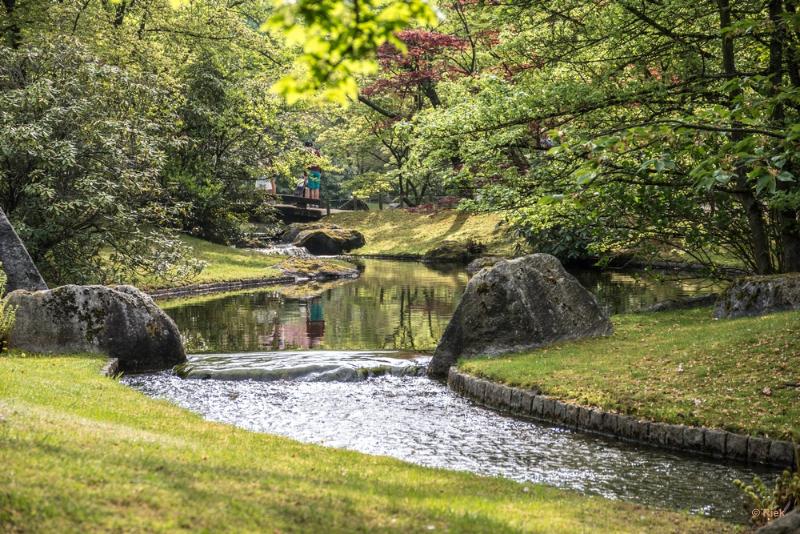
[
  {"x": 753, "y": 208},
  {"x": 787, "y": 218}
]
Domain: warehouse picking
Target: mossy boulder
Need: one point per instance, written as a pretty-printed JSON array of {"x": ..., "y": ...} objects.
[
  {"x": 759, "y": 295},
  {"x": 461, "y": 252},
  {"x": 517, "y": 305},
  {"x": 481, "y": 263},
  {"x": 323, "y": 239},
  {"x": 120, "y": 322}
]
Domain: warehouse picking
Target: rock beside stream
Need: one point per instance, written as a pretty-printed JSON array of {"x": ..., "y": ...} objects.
[
  {"x": 120, "y": 322},
  {"x": 516, "y": 305},
  {"x": 480, "y": 263},
  {"x": 759, "y": 295},
  {"x": 788, "y": 524},
  {"x": 461, "y": 252},
  {"x": 323, "y": 239}
]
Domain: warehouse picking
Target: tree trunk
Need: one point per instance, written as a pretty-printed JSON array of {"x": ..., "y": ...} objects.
[{"x": 755, "y": 213}]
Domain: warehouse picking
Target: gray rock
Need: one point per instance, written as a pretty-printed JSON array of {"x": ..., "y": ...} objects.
[
  {"x": 682, "y": 304},
  {"x": 454, "y": 252},
  {"x": 537, "y": 405},
  {"x": 658, "y": 434},
  {"x": 610, "y": 423},
  {"x": 736, "y": 447},
  {"x": 757, "y": 450},
  {"x": 781, "y": 453},
  {"x": 571, "y": 416},
  {"x": 120, "y": 322},
  {"x": 674, "y": 436},
  {"x": 759, "y": 295},
  {"x": 516, "y": 305},
  {"x": 323, "y": 239},
  {"x": 715, "y": 442},
  {"x": 788, "y": 524},
  {"x": 693, "y": 438},
  {"x": 16, "y": 262},
  {"x": 481, "y": 263}
]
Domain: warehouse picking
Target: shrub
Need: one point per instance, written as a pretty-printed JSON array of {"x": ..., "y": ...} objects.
[{"x": 783, "y": 497}]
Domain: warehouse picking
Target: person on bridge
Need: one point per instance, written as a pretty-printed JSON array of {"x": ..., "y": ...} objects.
[{"x": 314, "y": 174}]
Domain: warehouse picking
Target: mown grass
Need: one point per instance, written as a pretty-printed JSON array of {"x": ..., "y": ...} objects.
[
  {"x": 224, "y": 264},
  {"x": 82, "y": 453},
  {"x": 741, "y": 375},
  {"x": 400, "y": 232}
]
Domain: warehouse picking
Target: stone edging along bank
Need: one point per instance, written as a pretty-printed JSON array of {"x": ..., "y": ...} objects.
[
  {"x": 695, "y": 440},
  {"x": 234, "y": 285}
]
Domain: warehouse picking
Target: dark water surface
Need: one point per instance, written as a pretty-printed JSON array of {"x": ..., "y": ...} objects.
[
  {"x": 394, "y": 305},
  {"x": 342, "y": 369}
]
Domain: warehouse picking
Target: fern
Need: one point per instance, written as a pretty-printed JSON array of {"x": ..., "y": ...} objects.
[{"x": 784, "y": 496}]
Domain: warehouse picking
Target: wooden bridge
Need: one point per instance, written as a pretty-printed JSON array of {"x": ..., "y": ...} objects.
[{"x": 292, "y": 208}]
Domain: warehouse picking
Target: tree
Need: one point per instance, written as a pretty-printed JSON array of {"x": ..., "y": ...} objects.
[
  {"x": 82, "y": 146},
  {"x": 674, "y": 125}
]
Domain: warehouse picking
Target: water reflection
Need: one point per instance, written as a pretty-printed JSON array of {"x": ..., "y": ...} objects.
[{"x": 393, "y": 306}]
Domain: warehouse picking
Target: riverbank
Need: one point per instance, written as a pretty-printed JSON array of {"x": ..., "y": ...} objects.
[
  {"x": 230, "y": 269},
  {"x": 82, "y": 452},
  {"x": 404, "y": 234},
  {"x": 678, "y": 368}
]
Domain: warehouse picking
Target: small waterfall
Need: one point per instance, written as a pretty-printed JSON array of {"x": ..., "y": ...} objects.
[{"x": 283, "y": 249}]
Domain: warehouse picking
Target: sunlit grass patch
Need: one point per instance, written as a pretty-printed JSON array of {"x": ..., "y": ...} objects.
[
  {"x": 402, "y": 232},
  {"x": 678, "y": 367}
]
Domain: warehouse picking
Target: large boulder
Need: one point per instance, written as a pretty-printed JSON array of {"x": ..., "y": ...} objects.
[
  {"x": 120, "y": 322},
  {"x": 323, "y": 239},
  {"x": 461, "y": 252},
  {"x": 481, "y": 263},
  {"x": 517, "y": 305},
  {"x": 758, "y": 295},
  {"x": 16, "y": 262}
]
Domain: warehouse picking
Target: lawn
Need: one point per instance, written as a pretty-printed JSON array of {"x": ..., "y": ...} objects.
[
  {"x": 741, "y": 375},
  {"x": 224, "y": 264},
  {"x": 400, "y": 232},
  {"x": 81, "y": 452}
]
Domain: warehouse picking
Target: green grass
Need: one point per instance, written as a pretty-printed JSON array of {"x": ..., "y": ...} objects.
[
  {"x": 675, "y": 367},
  {"x": 80, "y": 453},
  {"x": 404, "y": 233},
  {"x": 224, "y": 264}
]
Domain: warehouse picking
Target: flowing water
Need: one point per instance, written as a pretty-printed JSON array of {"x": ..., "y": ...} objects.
[{"x": 340, "y": 365}]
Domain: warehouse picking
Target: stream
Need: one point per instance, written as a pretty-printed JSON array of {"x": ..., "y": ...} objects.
[{"x": 342, "y": 365}]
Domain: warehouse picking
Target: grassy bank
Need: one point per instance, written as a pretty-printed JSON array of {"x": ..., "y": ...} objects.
[
  {"x": 224, "y": 264},
  {"x": 81, "y": 452},
  {"x": 676, "y": 367},
  {"x": 405, "y": 233}
]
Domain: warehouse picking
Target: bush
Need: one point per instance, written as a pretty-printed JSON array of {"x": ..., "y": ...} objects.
[{"x": 783, "y": 497}]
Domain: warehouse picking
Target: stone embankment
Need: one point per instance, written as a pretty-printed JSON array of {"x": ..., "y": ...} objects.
[{"x": 709, "y": 442}]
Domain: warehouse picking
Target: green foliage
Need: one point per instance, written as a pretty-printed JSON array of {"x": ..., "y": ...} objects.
[
  {"x": 82, "y": 146},
  {"x": 339, "y": 41},
  {"x": 784, "y": 496},
  {"x": 7, "y": 312}
]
